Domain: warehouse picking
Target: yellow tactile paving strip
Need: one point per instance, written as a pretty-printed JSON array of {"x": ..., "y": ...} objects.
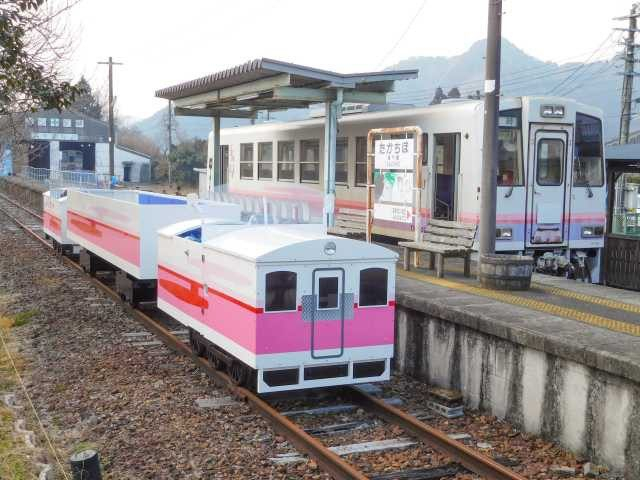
[
  {"x": 605, "y": 302},
  {"x": 570, "y": 313}
]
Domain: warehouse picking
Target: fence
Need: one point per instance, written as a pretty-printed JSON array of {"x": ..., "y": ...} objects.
[{"x": 64, "y": 178}]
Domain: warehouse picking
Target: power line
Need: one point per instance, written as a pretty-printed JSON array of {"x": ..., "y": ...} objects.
[
  {"x": 582, "y": 66},
  {"x": 406, "y": 30}
]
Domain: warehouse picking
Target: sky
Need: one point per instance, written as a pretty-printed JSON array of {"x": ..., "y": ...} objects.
[{"x": 164, "y": 42}]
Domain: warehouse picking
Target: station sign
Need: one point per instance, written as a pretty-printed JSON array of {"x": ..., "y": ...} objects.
[
  {"x": 393, "y": 213},
  {"x": 394, "y": 154}
]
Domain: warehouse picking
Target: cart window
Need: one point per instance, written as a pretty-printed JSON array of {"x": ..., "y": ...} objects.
[
  {"x": 373, "y": 287},
  {"x": 328, "y": 292},
  {"x": 280, "y": 291},
  {"x": 510, "y": 149}
]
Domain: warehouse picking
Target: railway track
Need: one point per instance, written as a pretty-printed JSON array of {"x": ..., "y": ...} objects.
[{"x": 326, "y": 458}]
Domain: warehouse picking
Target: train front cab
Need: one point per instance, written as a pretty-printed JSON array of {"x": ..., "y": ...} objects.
[
  {"x": 560, "y": 181},
  {"x": 325, "y": 324}
]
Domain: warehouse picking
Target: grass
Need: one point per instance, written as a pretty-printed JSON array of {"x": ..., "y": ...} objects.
[
  {"x": 14, "y": 460},
  {"x": 22, "y": 318}
]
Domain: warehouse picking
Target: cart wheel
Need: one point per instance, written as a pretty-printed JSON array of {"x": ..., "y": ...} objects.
[{"x": 237, "y": 373}]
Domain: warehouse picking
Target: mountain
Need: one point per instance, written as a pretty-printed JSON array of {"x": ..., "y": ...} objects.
[{"x": 595, "y": 83}]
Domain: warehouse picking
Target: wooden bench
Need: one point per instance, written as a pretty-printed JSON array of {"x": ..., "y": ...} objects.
[
  {"x": 443, "y": 239},
  {"x": 350, "y": 222}
]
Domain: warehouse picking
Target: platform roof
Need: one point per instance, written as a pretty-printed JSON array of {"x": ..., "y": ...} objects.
[{"x": 266, "y": 84}]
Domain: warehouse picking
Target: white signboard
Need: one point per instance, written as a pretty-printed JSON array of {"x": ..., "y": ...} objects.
[
  {"x": 392, "y": 213},
  {"x": 396, "y": 154},
  {"x": 53, "y": 136},
  {"x": 394, "y": 187}
]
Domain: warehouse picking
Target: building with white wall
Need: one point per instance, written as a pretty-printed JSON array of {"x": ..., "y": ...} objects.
[{"x": 72, "y": 141}]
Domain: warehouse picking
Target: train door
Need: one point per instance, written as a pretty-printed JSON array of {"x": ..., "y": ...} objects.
[
  {"x": 549, "y": 150},
  {"x": 327, "y": 320},
  {"x": 445, "y": 169}
]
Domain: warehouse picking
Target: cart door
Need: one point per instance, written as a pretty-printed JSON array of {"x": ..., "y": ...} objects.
[
  {"x": 328, "y": 313},
  {"x": 548, "y": 153}
]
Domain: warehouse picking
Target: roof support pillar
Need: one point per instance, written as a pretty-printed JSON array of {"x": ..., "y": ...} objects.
[
  {"x": 214, "y": 161},
  {"x": 332, "y": 110}
]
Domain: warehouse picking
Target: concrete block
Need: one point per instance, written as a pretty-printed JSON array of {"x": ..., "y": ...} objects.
[{"x": 573, "y": 406}]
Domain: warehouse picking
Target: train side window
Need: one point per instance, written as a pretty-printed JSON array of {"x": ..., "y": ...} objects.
[
  {"x": 265, "y": 161},
  {"x": 373, "y": 287},
  {"x": 510, "y": 149},
  {"x": 550, "y": 164},
  {"x": 587, "y": 167},
  {"x": 342, "y": 155},
  {"x": 361, "y": 161},
  {"x": 425, "y": 149},
  {"x": 246, "y": 160},
  {"x": 286, "y": 161},
  {"x": 280, "y": 291},
  {"x": 310, "y": 161}
]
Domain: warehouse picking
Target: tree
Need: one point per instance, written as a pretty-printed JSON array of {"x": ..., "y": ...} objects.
[
  {"x": 31, "y": 46},
  {"x": 184, "y": 158},
  {"x": 438, "y": 97},
  {"x": 88, "y": 101},
  {"x": 454, "y": 93}
]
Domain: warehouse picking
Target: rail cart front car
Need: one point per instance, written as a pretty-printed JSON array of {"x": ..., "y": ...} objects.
[
  {"x": 286, "y": 305},
  {"x": 118, "y": 230},
  {"x": 54, "y": 218}
]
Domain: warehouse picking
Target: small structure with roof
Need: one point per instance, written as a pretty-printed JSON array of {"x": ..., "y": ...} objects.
[{"x": 266, "y": 84}]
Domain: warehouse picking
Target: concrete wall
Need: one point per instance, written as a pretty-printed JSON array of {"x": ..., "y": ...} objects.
[
  {"x": 102, "y": 158},
  {"x": 588, "y": 411},
  {"x": 55, "y": 155}
]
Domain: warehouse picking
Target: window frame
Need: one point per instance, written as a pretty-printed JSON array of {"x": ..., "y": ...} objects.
[
  {"x": 386, "y": 301},
  {"x": 338, "y": 274},
  {"x": 517, "y": 114},
  {"x": 361, "y": 139},
  {"x": 266, "y": 289},
  {"x": 79, "y": 123},
  {"x": 344, "y": 141},
  {"x": 242, "y": 161},
  {"x": 263, "y": 162},
  {"x": 302, "y": 155},
  {"x": 281, "y": 144},
  {"x": 575, "y": 148},
  {"x": 54, "y": 122},
  {"x": 562, "y": 163}
]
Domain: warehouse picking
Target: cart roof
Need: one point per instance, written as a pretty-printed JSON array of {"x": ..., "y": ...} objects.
[{"x": 294, "y": 243}]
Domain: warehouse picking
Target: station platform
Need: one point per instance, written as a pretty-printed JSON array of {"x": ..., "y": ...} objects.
[
  {"x": 561, "y": 360},
  {"x": 574, "y": 319}
]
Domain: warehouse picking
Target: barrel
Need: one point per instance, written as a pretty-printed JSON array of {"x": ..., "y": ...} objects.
[
  {"x": 505, "y": 272},
  {"x": 85, "y": 465}
]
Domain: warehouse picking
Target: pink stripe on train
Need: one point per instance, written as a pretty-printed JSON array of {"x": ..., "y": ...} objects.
[
  {"x": 122, "y": 244},
  {"x": 271, "y": 332}
]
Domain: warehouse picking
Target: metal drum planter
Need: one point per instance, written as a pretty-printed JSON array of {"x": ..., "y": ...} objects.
[{"x": 506, "y": 272}]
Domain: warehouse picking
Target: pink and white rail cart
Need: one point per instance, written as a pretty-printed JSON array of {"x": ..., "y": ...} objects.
[
  {"x": 281, "y": 307},
  {"x": 118, "y": 231}
]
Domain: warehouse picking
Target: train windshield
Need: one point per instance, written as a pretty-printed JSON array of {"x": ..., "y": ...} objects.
[
  {"x": 510, "y": 148},
  {"x": 587, "y": 167}
]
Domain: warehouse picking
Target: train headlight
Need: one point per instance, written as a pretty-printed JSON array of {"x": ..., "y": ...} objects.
[
  {"x": 591, "y": 231},
  {"x": 504, "y": 233},
  {"x": 330, "y": 248},
  {"x": 553, "y": 111}
]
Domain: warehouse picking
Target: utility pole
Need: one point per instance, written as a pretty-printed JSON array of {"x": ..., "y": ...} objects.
[
  {"x": 112, "y": 129},
  {"x": 627, "y": 81},
  {"x": 170, "y": 144},
  {"x": 490, "y": 142}
]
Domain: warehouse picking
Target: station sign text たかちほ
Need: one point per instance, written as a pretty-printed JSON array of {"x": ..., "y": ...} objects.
[{"x": 394, "y": 154}]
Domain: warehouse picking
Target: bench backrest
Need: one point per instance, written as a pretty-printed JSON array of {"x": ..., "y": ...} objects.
[{"x": 447, "y": 232}]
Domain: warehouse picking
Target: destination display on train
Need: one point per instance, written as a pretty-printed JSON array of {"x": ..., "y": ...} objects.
[{"x": 394, "y": 154}]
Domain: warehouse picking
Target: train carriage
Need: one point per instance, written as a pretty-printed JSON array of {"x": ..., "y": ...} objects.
[
  {"x": 54, "y": 218},
  {"x": 117, "y": 230},
  {"x": 551, "y": 194},
  {"x": 286, "y": 306}
]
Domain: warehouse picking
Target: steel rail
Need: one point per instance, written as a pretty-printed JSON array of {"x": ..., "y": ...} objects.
[
  {"x": 326, "y": 459},
  {"x": 329, "y": 461},
  {"x": 467, "y": 457}
]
